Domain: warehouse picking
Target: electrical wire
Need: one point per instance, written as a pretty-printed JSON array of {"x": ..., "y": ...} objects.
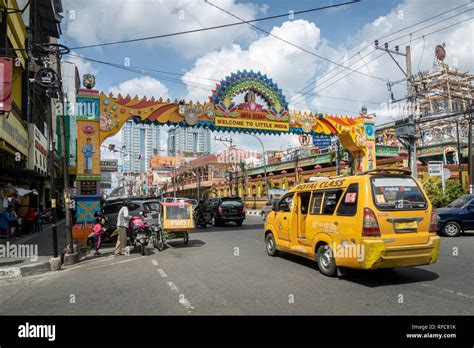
[
  {"x": 311, "y": 84},
  {"x": 294, "y": 45},
  {"x": 212, "y": 28}
]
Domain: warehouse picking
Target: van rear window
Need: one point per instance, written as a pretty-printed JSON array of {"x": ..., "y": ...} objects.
[{"x": 397, "y": 193}]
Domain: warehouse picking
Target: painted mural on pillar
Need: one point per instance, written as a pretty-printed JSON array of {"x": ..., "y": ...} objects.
[{"x": 223, "y": 113}]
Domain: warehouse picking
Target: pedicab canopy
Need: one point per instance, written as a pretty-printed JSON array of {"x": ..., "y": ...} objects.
[{"x": 176, "y": 216}]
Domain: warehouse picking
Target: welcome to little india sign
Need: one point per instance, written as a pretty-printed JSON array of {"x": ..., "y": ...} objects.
[{"x": 251, "y": 123}]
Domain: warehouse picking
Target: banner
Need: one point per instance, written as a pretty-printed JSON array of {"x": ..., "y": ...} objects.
[{"x": 251, "y": 123}]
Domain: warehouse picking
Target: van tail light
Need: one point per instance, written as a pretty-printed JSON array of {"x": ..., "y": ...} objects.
[
  {"x": 242, "y": 209},
  {"x": 145, "y": 213},
  {"x": 433, "y": 222},
  {"x": 220, "y": 210},
  {"x": 370, "y": 226}
]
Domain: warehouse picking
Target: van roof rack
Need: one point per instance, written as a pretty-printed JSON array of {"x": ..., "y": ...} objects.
[{"x": 386, "y": 171}]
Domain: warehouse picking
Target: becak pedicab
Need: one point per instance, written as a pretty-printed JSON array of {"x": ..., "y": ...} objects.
[{"x": 175, "y": 219}]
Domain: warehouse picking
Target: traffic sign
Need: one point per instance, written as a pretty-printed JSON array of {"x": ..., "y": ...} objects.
[
  {"x": 305, "y": 139},
  {"x": 321, "y": 140},
  {"x": 435, "y": 168}
]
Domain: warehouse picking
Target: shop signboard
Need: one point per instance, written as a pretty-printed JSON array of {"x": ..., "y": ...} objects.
[
  {"x": 109, "y": 165},
  {"x": 38, "y": 151},
  {"x": 88, "y": 187},
  {"x": 14, "y": 133}
]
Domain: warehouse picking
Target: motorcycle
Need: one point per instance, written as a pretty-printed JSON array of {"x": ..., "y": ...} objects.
[
  {"x": 109, "y": 234},
  {"x": 140, "y": 233},
  {"x": 200, "y": 219},
  {"x": 46, "y": 217}
]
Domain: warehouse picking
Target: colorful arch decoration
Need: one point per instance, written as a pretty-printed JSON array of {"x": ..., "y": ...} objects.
[
  {"x": 101, "y": 116},
  {"x": 254, "y": 84}
]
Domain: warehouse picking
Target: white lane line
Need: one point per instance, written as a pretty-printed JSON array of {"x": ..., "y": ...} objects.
[
  {"x": 184, "y": 301},
  {"x": 116, "y": 263},
  {"x": 172, "y": 286},
  {"x": 162, "y": 273},
  {"x": 154, "y": 262},
  {"x": 449, "y": 291}
]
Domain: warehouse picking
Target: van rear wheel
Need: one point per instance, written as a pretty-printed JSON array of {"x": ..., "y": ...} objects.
[{"x": 325, "y": 260}]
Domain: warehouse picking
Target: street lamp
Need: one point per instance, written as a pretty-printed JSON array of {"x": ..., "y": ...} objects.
[{"x": 264, "y": 164}]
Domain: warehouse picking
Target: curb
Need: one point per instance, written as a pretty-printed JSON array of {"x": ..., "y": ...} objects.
[
  {"x": 253, "y": 212},
  {"x": 26, "y": 270}
]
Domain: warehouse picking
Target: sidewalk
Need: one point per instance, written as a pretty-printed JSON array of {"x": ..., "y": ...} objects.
[
  {"x": 39, "y": 248},
  {"x": 30, "y": 254}
]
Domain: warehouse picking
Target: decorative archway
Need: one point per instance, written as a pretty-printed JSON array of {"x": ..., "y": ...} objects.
[{"x": 101, "y": 116}]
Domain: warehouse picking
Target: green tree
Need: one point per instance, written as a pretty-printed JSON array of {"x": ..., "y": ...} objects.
[{"x": 434, "y": 189}]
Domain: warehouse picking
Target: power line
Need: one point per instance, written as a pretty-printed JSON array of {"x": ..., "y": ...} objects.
[
  {"x": 211, "y": 28},
  {"x": 296, "y": 46},
  {"x": 142, "y": 71},
  {"x": 409, "y": 41},
  {"x": 380, "y": 38}
]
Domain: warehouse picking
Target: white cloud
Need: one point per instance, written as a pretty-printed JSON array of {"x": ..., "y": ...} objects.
[
  {"x": 84, "y": 66},
  {"x": 141, "y": 86},
  {"x": 356, "y": 86},
  {"x": 109, "y": 20},
  {"x": 287, "y": 65}
]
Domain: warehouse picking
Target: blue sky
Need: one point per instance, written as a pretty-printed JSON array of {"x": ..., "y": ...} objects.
[
  {"x": 336, "y": 34},
  {"x": 337, "y": 26}
]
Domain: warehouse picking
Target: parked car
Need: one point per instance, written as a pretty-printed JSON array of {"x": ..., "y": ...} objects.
[
  {"x": 457, "y": 217},
  {"x": 225, "y": 209},
  {"x": 149, "y": 209},
  {"x": 267, "y": 208}
]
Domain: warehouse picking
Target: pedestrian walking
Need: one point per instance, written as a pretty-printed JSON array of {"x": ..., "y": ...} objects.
[
  {"x": 122, "y": 224},
  {"x": 97, "y": 238}
]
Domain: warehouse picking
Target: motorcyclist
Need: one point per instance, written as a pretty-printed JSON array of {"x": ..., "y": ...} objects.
[{"x": 201, "y": 211}]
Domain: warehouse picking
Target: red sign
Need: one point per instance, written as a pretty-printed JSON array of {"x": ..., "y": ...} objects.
[
  {"x": 351, "y": 197},
  {"x": 6, "y": 72}
]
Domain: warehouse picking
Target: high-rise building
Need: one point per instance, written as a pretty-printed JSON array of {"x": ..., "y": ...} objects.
[
  {"x": 139, "y": 143},
  {"x": 187, "y": 141}
]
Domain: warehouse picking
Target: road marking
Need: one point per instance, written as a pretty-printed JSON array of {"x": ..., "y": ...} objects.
[
  {"x": 172, "y": 286},
  {"x": 162, "y": 273},
  {"x": 182, "y": 299},
  {"x": 449, "y": 291},
  {"x": 154, "y": 262},
  {"x": 116, "y": 263}
]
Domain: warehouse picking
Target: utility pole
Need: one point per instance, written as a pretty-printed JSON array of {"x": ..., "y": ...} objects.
[
  {"x": 297, "y": 158},
  {"x": 52, "y": 176},
  {"x": 67, "y": 193},
  {"x": 459, "y": 154},
  {"x": 224, "y": 141},
  {"x": 470, "y": 154},
  {"x": 264, "y": 165},
  {"x": 412, "y": 122}
]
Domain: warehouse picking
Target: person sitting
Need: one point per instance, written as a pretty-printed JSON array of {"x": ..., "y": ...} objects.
[{"x": 8, "y": 221}]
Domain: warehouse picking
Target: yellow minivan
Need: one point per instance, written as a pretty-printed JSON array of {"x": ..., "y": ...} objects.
[{"x": 377, "y": 219}]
